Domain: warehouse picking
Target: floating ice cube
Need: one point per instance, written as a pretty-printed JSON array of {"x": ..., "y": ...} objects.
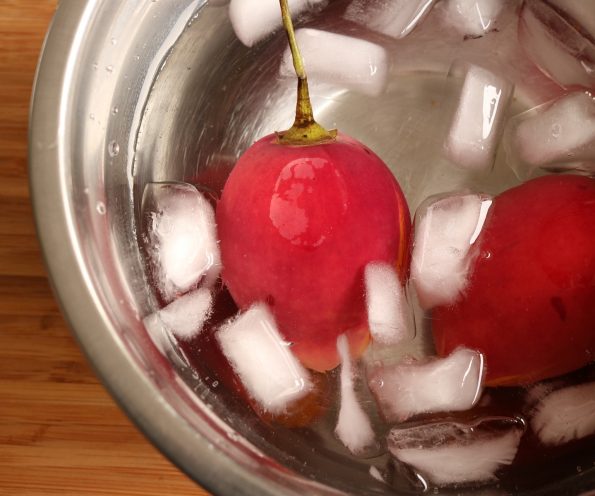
[
  {"x": 418, "y": 346},
  {"x": 558, "y": 135},
  {"x": 478, "y": 121},
  {"x": 183, "y": 317},
  {"x": 254, "y": 20},
  {"x": 395, "y": 18},
  {"x": 353, "y": 425},
  {"x": 444, "y": 232},
  {"x": 263, "y": 361},
  {"x": 473, "y": 17},
  {"x": 389, "y": 316},
  {"x": 565, "y": 414},
  {"x": 559, "y": 40},
  {"x": 341, "y": 60},
  {"x": 446, "y": 384},
  {"x": 449, "y": 453},
  {"x": 182, "y": 238}
]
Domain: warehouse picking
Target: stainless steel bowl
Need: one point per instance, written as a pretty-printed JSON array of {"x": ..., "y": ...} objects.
[{"x": 134, "y": 91}]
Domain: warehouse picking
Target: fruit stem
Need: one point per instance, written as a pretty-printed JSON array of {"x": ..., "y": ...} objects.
[{"x": 305, "y": 130}]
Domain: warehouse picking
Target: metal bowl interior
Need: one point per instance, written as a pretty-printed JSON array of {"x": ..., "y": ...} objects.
[{"x": 130, "y": 92}]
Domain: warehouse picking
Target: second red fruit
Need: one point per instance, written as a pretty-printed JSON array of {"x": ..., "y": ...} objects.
[
  {"x": 297, "y": 226},
  {"x": 529, "y": 306}
]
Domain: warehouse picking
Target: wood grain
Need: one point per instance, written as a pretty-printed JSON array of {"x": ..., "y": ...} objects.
[{"x": 60, "y": 432}]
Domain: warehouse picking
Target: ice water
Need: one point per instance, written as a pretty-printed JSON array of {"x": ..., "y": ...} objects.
[{"x": 419, "y": 101}]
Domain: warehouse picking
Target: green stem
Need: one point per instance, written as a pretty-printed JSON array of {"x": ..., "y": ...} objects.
[{"x": 305, "y": 130}]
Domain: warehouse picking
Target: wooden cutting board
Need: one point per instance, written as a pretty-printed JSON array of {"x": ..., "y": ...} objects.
[{"x": 60, "y": 432}]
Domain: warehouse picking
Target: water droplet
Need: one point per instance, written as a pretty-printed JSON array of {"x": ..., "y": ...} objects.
[
  {"x": 556, "y": 130},
  {"x": 113, "y": 148},
  {"x": 215, "y": 384},
  {"x": 109, "y": 68},
  {"x": 86, "y": 191},
  {"x": 95, "y": 66},
  {"x": 92, "y": 116},
  {"x": 115, "y": 110},
  {"x": 579, "y": 469},
  {"x": 137, "y": 57},
  {"x": 100, "y": 207},
  {"x": 114, "y": 41}
]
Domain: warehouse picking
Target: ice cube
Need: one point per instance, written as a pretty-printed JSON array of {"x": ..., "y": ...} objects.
[
  {"x": 353, "y": 428},
  {"x": 395, "y": 18},
  {"x": 418, "y": 346},
  {"x": 446, "y": 384},
  {"x": 445, "y": 230},
  {"x": 558, "y": 135},
  {"x": 182, "y": 238},
  {"x": 341, "y": 60},
  {"x": 263, "y": 361},
  {"x": 447, "y": 453},
  {"x": 184, "y": 317},
  {"x": 478, "y": 121},
  {"x": 254, "y": 20},
  {"x": 389, "y": 316},
  {"x": 560, "y": 40},
  {"x": 473, "y": 18},
  {"x": 565, "y": 414}
]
